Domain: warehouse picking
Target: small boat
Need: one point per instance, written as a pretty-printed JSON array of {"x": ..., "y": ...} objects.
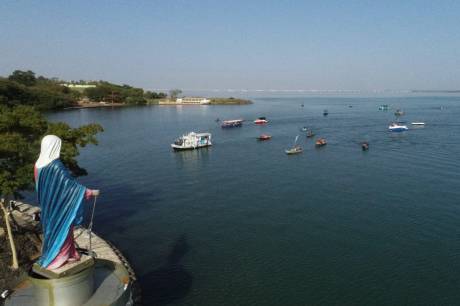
[
  {"x": 399, "y": 112},
  {"x": 383, "y": 107},
  {"x": 321, "y": 142},
  {"x": 295, "y": 149},
  {"x": 264, "y": 137},
  {"x": 395, "y": 127},
  {"x": 192, "y": 141},
  {"x": 418, "y": 123},
  {"x": 301, "y": 105},
  {"x": 365, "y": 146},
  {"x": 325, "y": 112},
  {"x": 232, "y": 123},
  {"x": 261, "y": 120},
  {"x": 350, "y": 106},
  {"x": 304, "y": 129},
  {"x": 310, "y": 134}
]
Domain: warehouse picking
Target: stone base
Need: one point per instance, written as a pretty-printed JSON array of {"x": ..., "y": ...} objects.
[{"x": 69, "y": 268}]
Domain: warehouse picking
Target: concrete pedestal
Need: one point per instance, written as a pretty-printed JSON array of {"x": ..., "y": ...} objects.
[{"x": 68, "y": 289}]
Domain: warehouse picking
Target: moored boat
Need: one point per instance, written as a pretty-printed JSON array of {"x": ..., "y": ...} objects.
[
  {"x": 192, "y": 141},
  {"x": 365, "y": 146},
  {"x": 321, "y": 142},
  {"x": 232, "y": 123},
  {"x": 310, "y": 134},
  {"x": 418, "y": 123},
  {"x": 395, "y": 127},
  {"x": 295, "y": 150},
  {"x": 325, "y": 112},
  {"x": 399, "y": 112},
  {"x": 264, "y": 137},
  {"x": 383, "y": 107},
  {"x": 261, "y": 120}
]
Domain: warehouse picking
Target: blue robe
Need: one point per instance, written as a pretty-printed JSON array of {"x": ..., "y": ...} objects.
[{"x": 60, "y": 198}]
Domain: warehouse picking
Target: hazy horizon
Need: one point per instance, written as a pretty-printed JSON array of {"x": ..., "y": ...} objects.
[{"x": 261, "y": 45}]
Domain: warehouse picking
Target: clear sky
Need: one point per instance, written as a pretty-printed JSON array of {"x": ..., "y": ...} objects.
[{"x": 194, "y": 44}]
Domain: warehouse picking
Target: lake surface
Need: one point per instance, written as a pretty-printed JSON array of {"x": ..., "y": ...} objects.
[{"x": 242, "y": 223}]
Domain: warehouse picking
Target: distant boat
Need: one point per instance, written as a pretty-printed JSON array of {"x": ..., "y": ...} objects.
[
  {"x": 304, "y": 129},
  {"x": 321, "y": 142},
  {"x": 310, "y": 134},
  {"x": 395, "y": 127},
  {"x": 365, "y": 146},
  {"x": 232, "y": 123},
  {"x": 383, "y": 107},
  {"x": 264, "y": 137},
  {"x": 418, "y": 123},
  {"x": 192, "y": 141},
  {"x": 325, "y": 112},
  {"x": 295, "y": 149},
  {"x": 301, "y": 105},
  {"x": 399, "y": 112},
  {"x": 261, "y": 120}
]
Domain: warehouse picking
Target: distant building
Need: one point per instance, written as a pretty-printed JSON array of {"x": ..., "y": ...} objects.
[
  {"x": 193, "y": 100},
  {"x": 79, "y": 86},
  {"x": 186, "y": 101}
]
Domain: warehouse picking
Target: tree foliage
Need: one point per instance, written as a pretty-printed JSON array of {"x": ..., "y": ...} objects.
[
  {"x": 21, "y": 130},
  {"x": 108, "y": 92},
  {"x": 154, "y": 95},
  {"x": 23, "y": 88},
  {"x": 26, "y": 78},
  {"x": 174, "y": 93}
]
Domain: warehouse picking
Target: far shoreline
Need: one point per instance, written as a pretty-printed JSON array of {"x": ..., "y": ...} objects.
[{"x": 156, "y": 102}]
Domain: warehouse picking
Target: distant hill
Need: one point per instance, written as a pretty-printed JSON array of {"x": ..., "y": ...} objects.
[{"x": 24, "y": 88}]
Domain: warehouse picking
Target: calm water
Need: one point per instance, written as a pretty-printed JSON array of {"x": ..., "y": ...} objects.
[{"x": 241, "y": 223}]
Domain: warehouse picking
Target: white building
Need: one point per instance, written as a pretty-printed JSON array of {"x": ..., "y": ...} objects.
[
  {"x": 192, "y": 100},
  {"x": 80, "y": 86}
]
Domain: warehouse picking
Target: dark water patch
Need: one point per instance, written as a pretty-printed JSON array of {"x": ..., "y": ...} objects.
[{"x": 171, "y": 282}]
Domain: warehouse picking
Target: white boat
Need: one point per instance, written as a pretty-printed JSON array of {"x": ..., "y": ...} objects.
[
  {"x": 418, "y": 123},
  {"x": 395, "y": 127},
  {"x": 192, "y": 141},
  {"x": 295, "y": 149}
]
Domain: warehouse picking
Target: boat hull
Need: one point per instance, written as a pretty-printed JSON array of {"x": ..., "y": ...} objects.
[
  {"x": 260, "y": 122},
  {"x": 181, "y": 148},
  {"x": 292, "y": 152},
  {"x": 398, "y": 129}
]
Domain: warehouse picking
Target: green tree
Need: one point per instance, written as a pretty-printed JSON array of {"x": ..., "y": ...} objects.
[
  {"x": 21, "y": 130},
  {"x": 174, "y": 93},
  {"x": 26, "y": 78}
]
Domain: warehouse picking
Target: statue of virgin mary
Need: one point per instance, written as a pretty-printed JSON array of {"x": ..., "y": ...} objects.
[{"x": 60, "y": 197}]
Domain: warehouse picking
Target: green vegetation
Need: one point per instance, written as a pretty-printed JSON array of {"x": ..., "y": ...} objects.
[
  {"x": 230, "y": 101},
  {"x": 23, "y": 88},
  {"x": 22, "y": 126},
  {"x": 108, "y": 92},
  {"x": 174, "y": 93}
]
